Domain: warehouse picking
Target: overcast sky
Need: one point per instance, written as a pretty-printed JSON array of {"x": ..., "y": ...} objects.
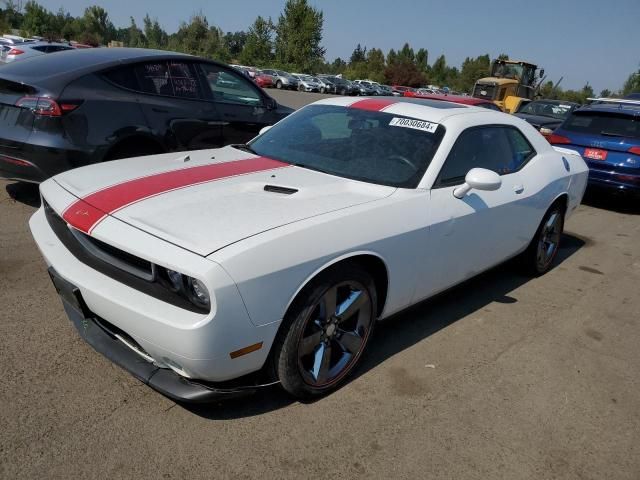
[{"x": 581, "y": 40}]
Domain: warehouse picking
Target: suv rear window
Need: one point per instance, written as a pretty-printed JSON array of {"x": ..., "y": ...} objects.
[{"x": 603, "y": 123}]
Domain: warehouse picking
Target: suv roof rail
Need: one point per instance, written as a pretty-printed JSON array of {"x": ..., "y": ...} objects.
[{"x": 620, "y": 101}]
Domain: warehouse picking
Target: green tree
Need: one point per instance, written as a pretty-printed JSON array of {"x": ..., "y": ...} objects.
[
  {"x": 422, "y": 59},
  {"x": 632, "y": 84},
  {"x": 406, "y": 54},
  {"x": 155, "y": 36},
  {"x": 472, "y": 70},
  {"x": 359, "y": 54},
  {"x": 12, "y": 14},
  {"x": 299, "y": 36},
  {"x": 605, "y": 93},
  {"x": 375, "y": 65},
  {"x": 235, "y": 42},
  {"x": 36, "y": 20},
  {"x": 97, "y": 24},
  {"x": 258, "y": 46},
  {"x": 134, "y": 36}
]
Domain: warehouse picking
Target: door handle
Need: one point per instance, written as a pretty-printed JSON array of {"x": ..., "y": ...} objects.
[{"x": 518, "y": 189}]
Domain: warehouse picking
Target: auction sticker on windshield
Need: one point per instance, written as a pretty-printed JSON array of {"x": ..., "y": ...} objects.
[{"x": 415, "y": 124}]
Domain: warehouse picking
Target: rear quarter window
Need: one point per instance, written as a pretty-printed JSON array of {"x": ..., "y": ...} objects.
[{"x": 124, "y": 77}]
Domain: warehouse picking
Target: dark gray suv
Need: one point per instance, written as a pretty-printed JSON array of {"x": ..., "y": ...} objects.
[{"x": 74, "y": 108}]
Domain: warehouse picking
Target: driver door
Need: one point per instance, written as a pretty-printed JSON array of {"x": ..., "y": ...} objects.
[{"x": 484, "y": 228}]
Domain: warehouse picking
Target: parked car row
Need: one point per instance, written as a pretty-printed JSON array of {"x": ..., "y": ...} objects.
[{"x": 12, "y": 49}]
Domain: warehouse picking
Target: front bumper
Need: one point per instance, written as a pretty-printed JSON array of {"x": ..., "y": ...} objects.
[
  {"x": 199, "y": 345},
  {"x": 104, "y": 340}
]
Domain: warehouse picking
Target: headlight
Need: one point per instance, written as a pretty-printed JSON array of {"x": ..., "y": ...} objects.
[
  {"x": 197, "y": 292},
  {"x": 188, "y": 287}
]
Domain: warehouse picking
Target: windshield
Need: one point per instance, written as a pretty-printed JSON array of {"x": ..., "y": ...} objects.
[
  {"x": 507, "y": 70},
  {"x": 603, "y": 123},
  {"x": 548, "y": 109},
  {"x": 370, "y": 146}
]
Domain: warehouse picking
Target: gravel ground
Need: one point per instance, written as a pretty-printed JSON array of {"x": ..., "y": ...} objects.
[{"x": 503, "y": 377}]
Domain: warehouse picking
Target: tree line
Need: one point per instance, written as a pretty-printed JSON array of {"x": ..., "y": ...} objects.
[{"x": 293, "y": 42}]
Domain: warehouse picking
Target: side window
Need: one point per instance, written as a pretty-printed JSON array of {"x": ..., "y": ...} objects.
[
  {"x": 228, "y": 87},
  {"x": 174, "y": 79},
  {"x": 154, "y": 78},
  {"x": 521, "y": 149},
  {"x": 501, "y": 149},
  {"x": 124, "y": 77}
]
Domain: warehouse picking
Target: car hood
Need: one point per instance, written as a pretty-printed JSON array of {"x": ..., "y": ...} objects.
[
  {"x": 539, "y": 120},
  {"x": 207, "y": 199}
]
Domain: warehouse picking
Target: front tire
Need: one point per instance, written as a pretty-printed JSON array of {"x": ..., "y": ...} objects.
[
  {"x": 279, "y": 85},
  {"x": 325, "y": 331},
  {"x": 539, "y": 256}
]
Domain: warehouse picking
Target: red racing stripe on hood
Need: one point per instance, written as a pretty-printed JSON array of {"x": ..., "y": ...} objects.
[
  {"x": 86, "y": 213},
  {"x": 373, "y": 104}
]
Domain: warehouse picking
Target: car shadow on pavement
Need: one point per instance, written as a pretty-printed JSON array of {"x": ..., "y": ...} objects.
[
  {"x": 404, "y": 330},
  {"x": 615, "y": 202},
  {"x": 27, "y": 193}
]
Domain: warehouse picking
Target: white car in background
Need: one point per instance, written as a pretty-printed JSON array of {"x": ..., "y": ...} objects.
[{"x": 194, "y": 271}]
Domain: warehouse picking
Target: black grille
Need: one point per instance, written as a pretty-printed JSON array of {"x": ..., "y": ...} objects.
[
  {"x": 103, "y": 251},
  {"x": 121, "y": 266},
  {"x": 484, "y": 91}
]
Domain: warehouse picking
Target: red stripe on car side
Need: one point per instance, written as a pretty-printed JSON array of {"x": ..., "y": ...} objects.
[
  {"x": 86, "y": 213},
  {"x": 373, "y": 104}
]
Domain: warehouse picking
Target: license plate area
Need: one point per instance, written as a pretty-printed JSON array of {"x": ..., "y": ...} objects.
[{"x": 595, "y": 154}]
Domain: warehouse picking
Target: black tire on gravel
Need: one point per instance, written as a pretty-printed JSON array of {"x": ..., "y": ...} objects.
[{"x": 321, "y": 341}]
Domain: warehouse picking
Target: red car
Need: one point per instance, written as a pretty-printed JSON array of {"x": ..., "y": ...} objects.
[
  {"x": 263, "y": 80},
  {"x": 465, "y": 100}
]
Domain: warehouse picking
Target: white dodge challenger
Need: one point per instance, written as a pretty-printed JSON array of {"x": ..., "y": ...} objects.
[{"x": 205, "y": 273}]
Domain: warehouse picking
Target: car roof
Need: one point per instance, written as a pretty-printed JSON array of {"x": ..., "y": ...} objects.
[
  {"x": 465, "y": 100},
  {"x": 555, "y": 102},
  {"x": 53, "y": 72},
  {"x": 420, "y": 108},
  {"x": 623, "y": 108}
]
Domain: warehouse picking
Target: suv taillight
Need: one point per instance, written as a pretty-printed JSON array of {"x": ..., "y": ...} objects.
[
  {"x": 635, "y": 150},
  {"x": 43, "y": 106},
  {"x": 558, "y": 139},
  {"x": 15, "y": 51}
]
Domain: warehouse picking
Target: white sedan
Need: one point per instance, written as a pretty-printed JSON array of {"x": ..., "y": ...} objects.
[{"x": 206, "y": 273}]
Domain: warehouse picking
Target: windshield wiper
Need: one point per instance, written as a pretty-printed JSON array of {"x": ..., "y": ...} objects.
[
  {"x": 244, "y": 147},
  {"x": 611, "y": 134}
]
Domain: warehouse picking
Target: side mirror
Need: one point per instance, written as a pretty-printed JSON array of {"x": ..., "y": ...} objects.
[
  {"x": 265, "y": 129},
  {"x": 541, "y": 72},
  {"x": 478, "y": 179},
  {"x": 270, "y": 103}
]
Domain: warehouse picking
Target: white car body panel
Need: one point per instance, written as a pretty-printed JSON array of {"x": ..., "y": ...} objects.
[{"x": 255, "y": 250}]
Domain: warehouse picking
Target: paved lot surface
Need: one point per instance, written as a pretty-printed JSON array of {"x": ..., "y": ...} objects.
[{"x": 504, "y": 377}]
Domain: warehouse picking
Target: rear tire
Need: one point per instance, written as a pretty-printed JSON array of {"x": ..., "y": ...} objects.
[
  {"x": 538, "y": 258},
  {"x": 279, "y": 85},
  {"x": 325, "y": 331}
]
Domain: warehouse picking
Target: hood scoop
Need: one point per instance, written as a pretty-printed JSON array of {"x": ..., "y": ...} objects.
[{"x": 279, "y": 189}]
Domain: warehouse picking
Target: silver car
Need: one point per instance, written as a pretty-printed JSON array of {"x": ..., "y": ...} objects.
[
  {"x": 282, "y": 79},
  {"x": 19, "y": 51}
]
